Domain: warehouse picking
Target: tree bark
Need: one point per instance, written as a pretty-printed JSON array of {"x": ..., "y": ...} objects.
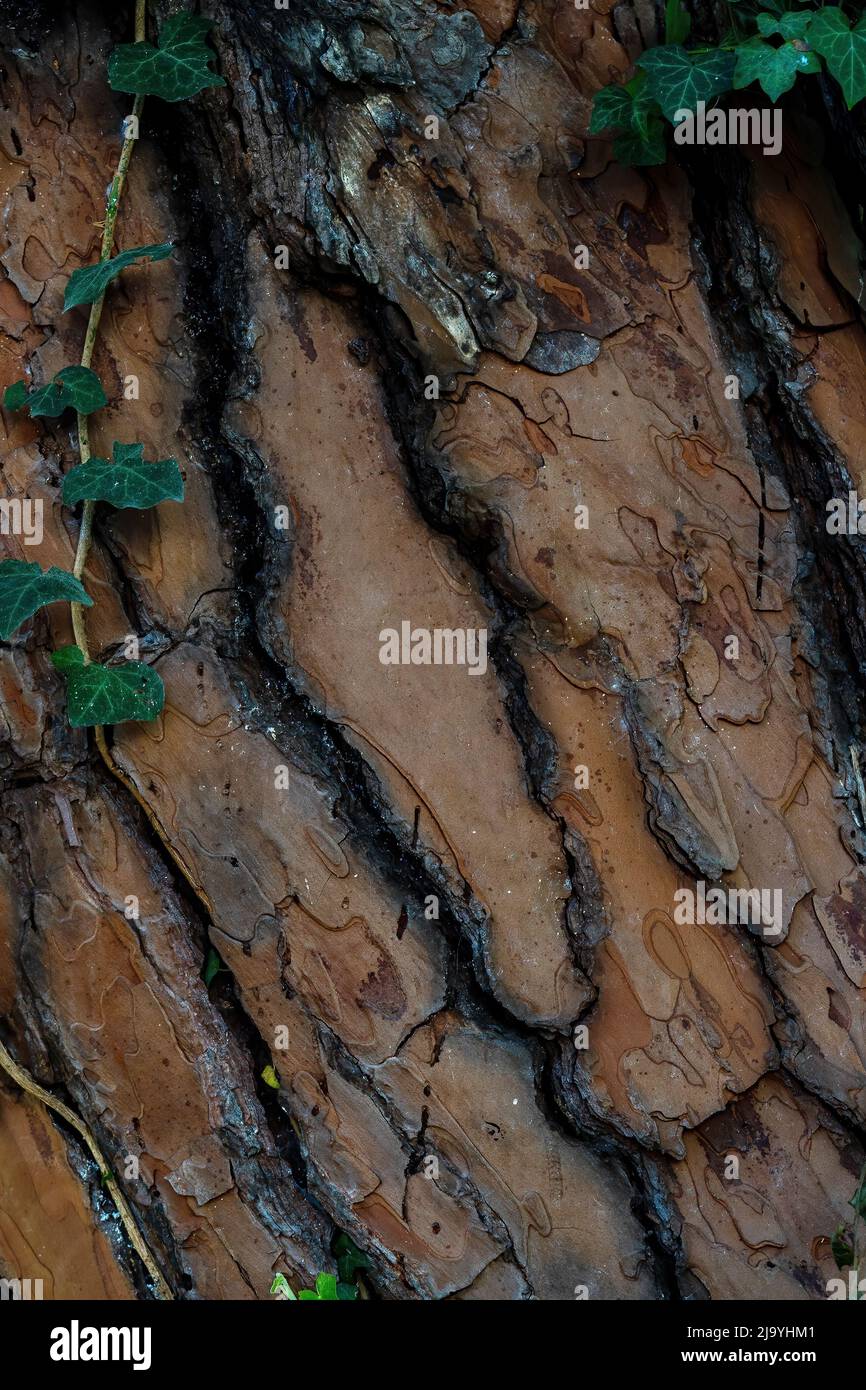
[{"x": 505, "y": 1067}]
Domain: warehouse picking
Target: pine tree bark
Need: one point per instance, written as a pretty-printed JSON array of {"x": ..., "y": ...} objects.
[{"x": 398, "y": 390}]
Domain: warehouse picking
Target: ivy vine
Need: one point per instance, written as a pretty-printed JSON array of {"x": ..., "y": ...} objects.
[{"x": 99, "y": 695}]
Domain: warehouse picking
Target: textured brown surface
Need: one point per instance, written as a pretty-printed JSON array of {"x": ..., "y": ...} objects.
[
  {"x": 48, "y": 1229},
  {"x": 404, "y": 1042}
]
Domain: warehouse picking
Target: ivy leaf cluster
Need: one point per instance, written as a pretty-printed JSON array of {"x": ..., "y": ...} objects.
[
  {"x": 785, "y": 44},
  {"x": 330, "y": 1288}
]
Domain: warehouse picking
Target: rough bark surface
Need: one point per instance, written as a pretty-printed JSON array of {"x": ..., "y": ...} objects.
[{"x": 409, "y": 1039}]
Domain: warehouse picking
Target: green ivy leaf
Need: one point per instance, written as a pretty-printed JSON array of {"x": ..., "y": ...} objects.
[
  {"x": 678, "y": 22},
  {"x": 842, "y": 1249},
  {"x": 67, "y": 657},
  {"x": 631, "y": 110},
  {"x": 127, "y": 482},
  {"x": 789, "y": 25},
  {"x": 679, "y": 80},
  {"x": 177, "y": 69},
  {"x": 622, "y": 107},
  {"x": 611, "y": 109},
  {"x": 858, "y": 1201},
  {"x": 109, "y": 694},
  {"x": 844, "y": 48},
  {"x": 211, "y": 968},
  {"x": 349, "y": 1258},
  {"x": 643, "y": 105},
  {"x": 25, "y": 588},
  {"x": 327, "y": 1290},
  {"x": 15, "y": 396},
  {"x": 641, "y": 148},
  {"x": 774, "y": 68},
  {"x": 75, "y": 388},
  {"x": 270, "y": 1078},
  {"x": 91, "y": 281}
]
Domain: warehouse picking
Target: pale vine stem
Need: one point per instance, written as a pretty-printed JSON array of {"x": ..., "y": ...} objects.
[
  {"x": 7, "y": 1061},
  {"x": 111, "y": 210},
  {"x": 85, "y": 535},
  {"x": 26, "y": 1082}
]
